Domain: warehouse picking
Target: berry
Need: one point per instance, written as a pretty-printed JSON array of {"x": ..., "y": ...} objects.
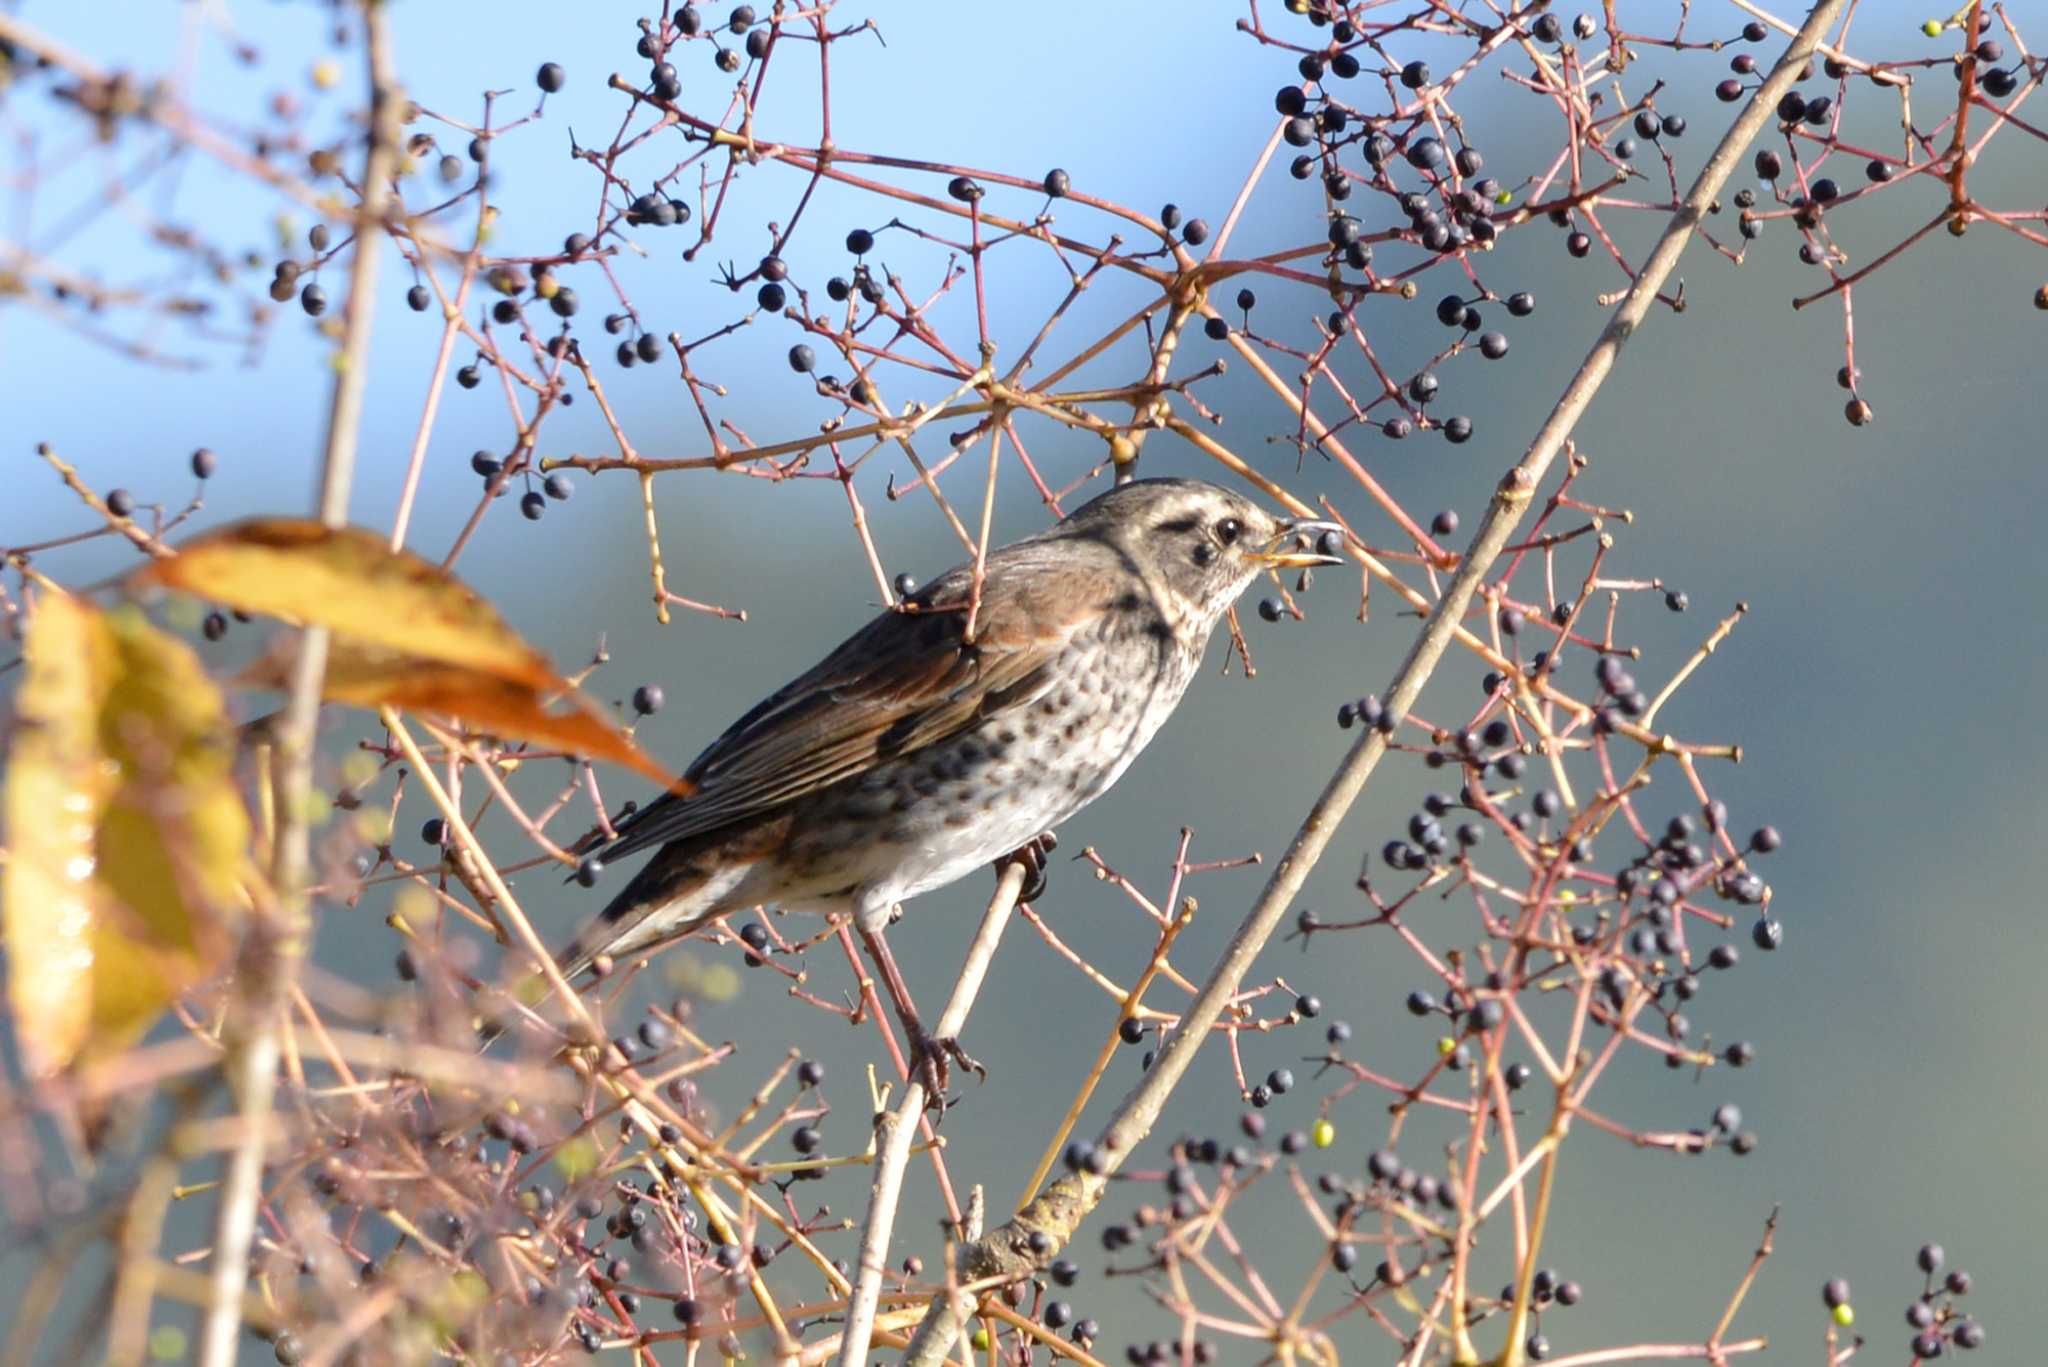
[
  {"x": 558, "y": 487},
  {"x": 1546, "y": 29},
  {"x": 802, "y": 358},
  {"x": 533, "y": 505},
  {"x": 1835, "y": 1293},
  {"x": 550, "y": 76},
  {"x": 417, "y": 298},
  {"x": 1768, "y": 165},
  {"x": 1578, "y": 244},
  {"x": 1426, "y": 154},
  {"x": 648, "y": 347},
  {"x": 313, "y": 300},
  {"x": 1458, "y": 430},
  {"x": 1493, "y": 345},
  {"x": 772, "y": 297},
  {"x": 965, "y": 189},
  {"x": 1444, "y": 523},
  {"x": 1271, "y": 609},
  {"x": 1216, "y": 329},
  {"x": 120, "y": 502},
  {"x": 1930, "y": 1258},
  {"x": 1415, "y": 75},
  {"x": 1057, "y": 182},
  {"x": 1676, "y": 601},
  {"x": 1196, "y": 232}
]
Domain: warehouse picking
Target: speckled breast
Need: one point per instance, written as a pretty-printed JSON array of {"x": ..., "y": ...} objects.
[{"x": 928, "y": 818}]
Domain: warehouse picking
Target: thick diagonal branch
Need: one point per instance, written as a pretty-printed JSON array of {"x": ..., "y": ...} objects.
[{"x": 1007, "y": 1252}]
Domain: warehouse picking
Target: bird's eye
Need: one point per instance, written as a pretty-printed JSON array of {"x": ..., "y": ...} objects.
[{"x": 1228, "y": 530}]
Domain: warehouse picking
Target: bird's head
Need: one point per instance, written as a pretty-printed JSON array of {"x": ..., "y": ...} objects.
[{"x": 1200, "y": 544}]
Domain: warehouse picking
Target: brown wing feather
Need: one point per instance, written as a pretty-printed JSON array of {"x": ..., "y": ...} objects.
[{"x": 900, "y": 683}]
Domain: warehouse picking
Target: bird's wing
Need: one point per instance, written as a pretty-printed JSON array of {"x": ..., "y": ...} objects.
[{"x": 902, "y": 682}]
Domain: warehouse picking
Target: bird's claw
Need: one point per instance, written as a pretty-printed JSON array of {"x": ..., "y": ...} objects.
[
  {"x": 931, "y": 1061},
  {"x": 1032, "y": 855}
]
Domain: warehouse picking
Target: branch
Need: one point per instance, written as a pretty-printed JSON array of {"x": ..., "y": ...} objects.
[
  {"x": 1007, "y": 1251},
  {"x": 276, "y": 941},
  {"x": 892, "y": 1144}
]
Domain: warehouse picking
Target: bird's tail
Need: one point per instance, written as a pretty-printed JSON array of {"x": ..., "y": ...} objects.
[{"x": 678, "y": 891}]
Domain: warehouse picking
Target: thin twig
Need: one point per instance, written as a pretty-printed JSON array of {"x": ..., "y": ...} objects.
[
  {"x": 276, "y": 942},
  {"x": 892, "y": 1145}
]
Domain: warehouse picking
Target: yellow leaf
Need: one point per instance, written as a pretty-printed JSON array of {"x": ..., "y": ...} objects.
[
  {"x": 348, "y": 579},
  {"x": 127, "y": 841}
]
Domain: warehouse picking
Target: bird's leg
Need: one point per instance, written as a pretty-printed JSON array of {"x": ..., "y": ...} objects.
[
  {"x": 1032, "y": 855},
  {"x": 931, "y": 1057}
]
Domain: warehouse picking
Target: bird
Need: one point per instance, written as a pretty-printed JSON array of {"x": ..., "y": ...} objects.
[{"x": 958, "y": 726}]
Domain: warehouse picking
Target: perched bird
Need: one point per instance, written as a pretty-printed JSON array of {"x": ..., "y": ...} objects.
[{"x": 937, "y": 739}]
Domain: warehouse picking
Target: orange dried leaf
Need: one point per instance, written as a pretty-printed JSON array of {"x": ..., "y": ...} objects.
[
  {"x": 127, "y": 841},
  {"x": 558, "y": 716},
  {"x": 349, "y": 580}
]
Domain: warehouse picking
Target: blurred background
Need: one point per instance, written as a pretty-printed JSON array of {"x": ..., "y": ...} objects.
[{"x": 1881, "y": 684}]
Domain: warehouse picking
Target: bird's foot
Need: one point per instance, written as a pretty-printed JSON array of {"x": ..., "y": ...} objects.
[
  {"x": 1033, "y": 855},
  {"x": 931, "y": 1062}
]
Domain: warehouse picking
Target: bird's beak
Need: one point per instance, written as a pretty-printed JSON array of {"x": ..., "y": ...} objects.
[{"x": 1298, "y": 545}]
